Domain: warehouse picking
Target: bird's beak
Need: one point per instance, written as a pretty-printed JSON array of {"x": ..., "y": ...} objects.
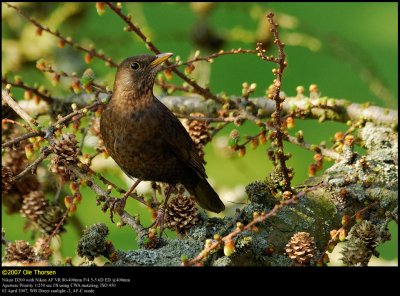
[{"x": 160, "y": 58}]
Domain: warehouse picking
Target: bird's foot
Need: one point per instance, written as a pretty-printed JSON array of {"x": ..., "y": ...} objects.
[
  {"x": 159, "y": 220},
  {"x": 116, "y": 205}
]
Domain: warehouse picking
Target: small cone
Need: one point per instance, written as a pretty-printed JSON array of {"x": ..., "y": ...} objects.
[
  {"x": 48, "y": 221},
  {"x": 301, "y": 248},
  {"x": 181, "y": 214},
  {"x": 199, "y": 131},
  {"x": 19, "y": 251},
  {"x": 6, "y": 179},
  {"x": 34, "y": 204}
]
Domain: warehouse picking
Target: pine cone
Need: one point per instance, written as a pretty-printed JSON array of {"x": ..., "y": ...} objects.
[
  {"x": 301, "y": 248},
  {"x": 16, "y": 158},
  {"x": 199, "y": 131},
  {"x": 33, "y": 205},
  {"x": 14, "y": 198},
  {"x": 42, "y": 248},
  {"x": 48, "y": 221},
  {"x": 60, "y": 169},
  {"x": 181, "y": 214},
  {"x": 362, "y": 240},
  {"x": 356, "y": 253},
  {"x": 66, "y": 148},
  {"x": 65, "y": 151},
  {"x": 365, "y": 231},
  {"x": 6, "y": 179},
  {"x": 19, "y": 251},
  {"x": 93, "y": 241}
]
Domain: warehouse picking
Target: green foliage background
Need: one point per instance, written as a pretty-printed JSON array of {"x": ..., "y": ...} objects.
[{"x": 371, "y": 27}]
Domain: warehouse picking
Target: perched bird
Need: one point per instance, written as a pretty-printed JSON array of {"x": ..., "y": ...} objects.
[{"x": 146, "y": 140}]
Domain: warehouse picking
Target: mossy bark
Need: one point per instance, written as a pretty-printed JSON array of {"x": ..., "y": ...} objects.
[{"x": 345, "y": 188}]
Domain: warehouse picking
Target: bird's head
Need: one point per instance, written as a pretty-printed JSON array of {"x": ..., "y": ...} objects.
[{"x": 135, "y": 75}]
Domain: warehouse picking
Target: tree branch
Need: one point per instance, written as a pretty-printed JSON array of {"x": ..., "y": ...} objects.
[
  {"x": 19, "y": 139},
  {"x": 14, "y": 105},
  {"x": 125, "y": 217},
  {"x": 366, "y": 183},
  {"x": 344, "y": 110},
  {"x": 33, "y": 166},
  {"x": 21, "y": 84}
]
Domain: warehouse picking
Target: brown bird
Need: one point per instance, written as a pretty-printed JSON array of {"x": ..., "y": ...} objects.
[{"x": 146, "y": 140}]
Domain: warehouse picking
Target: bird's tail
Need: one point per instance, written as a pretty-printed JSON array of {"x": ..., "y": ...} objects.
[{"x": 206, "y": 197}]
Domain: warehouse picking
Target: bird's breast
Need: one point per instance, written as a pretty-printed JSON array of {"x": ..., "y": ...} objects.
[
  {"x": 132, "y": 128},
  {"x": 135, "y": 140}
]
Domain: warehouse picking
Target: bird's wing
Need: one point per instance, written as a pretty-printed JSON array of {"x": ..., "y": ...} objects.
[{"x": 179, "y": 141}]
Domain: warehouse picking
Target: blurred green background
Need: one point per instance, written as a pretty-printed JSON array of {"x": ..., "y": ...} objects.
[{"x": 349, "y": 49}]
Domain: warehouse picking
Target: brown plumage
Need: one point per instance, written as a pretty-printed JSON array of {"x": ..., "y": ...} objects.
[{"x": 145, "y": 139}]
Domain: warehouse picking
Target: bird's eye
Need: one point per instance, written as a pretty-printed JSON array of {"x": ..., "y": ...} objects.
[{"x": 135, "y": 66}]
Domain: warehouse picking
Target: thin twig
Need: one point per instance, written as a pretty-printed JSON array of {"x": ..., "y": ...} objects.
[
  {"x": 19, "y": 139},
  {"x": 325, "y": 152},
  {"x": 125, "y": 217},
  {"x": 134, "y": 195},
  {"x": 33, "y": 166},
  {"x": 35, "y": 90},
  {"x": 82, "y": 144},
  {"x": 281, "y": 61},
  {"x": 14, "y": 105},
  {"x": 217, "y": 243},
  {"x": 258, "y": 218},
  {"x": 334, "y": 238},
  {"x": 171, "y": 88},
  {"x": 81, "y": 111},
  {"x": 47, "y": 68},
  {"x": 207, "y": 119},
  {"x": 250, "y": 138},
  {"x": 213, "y": 56},
  {"x": 58, "y": 192},
  {"x": 65, "y": 40},
  {"x": 21, "y": 124},
  {"x": 134, "y": 223},
  {"x": 55, "y": 231}
]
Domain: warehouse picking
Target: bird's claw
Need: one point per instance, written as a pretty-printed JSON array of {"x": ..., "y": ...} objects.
[
  {"x": 116, "y": 205},
  {"x": 159, "y": 220}
]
